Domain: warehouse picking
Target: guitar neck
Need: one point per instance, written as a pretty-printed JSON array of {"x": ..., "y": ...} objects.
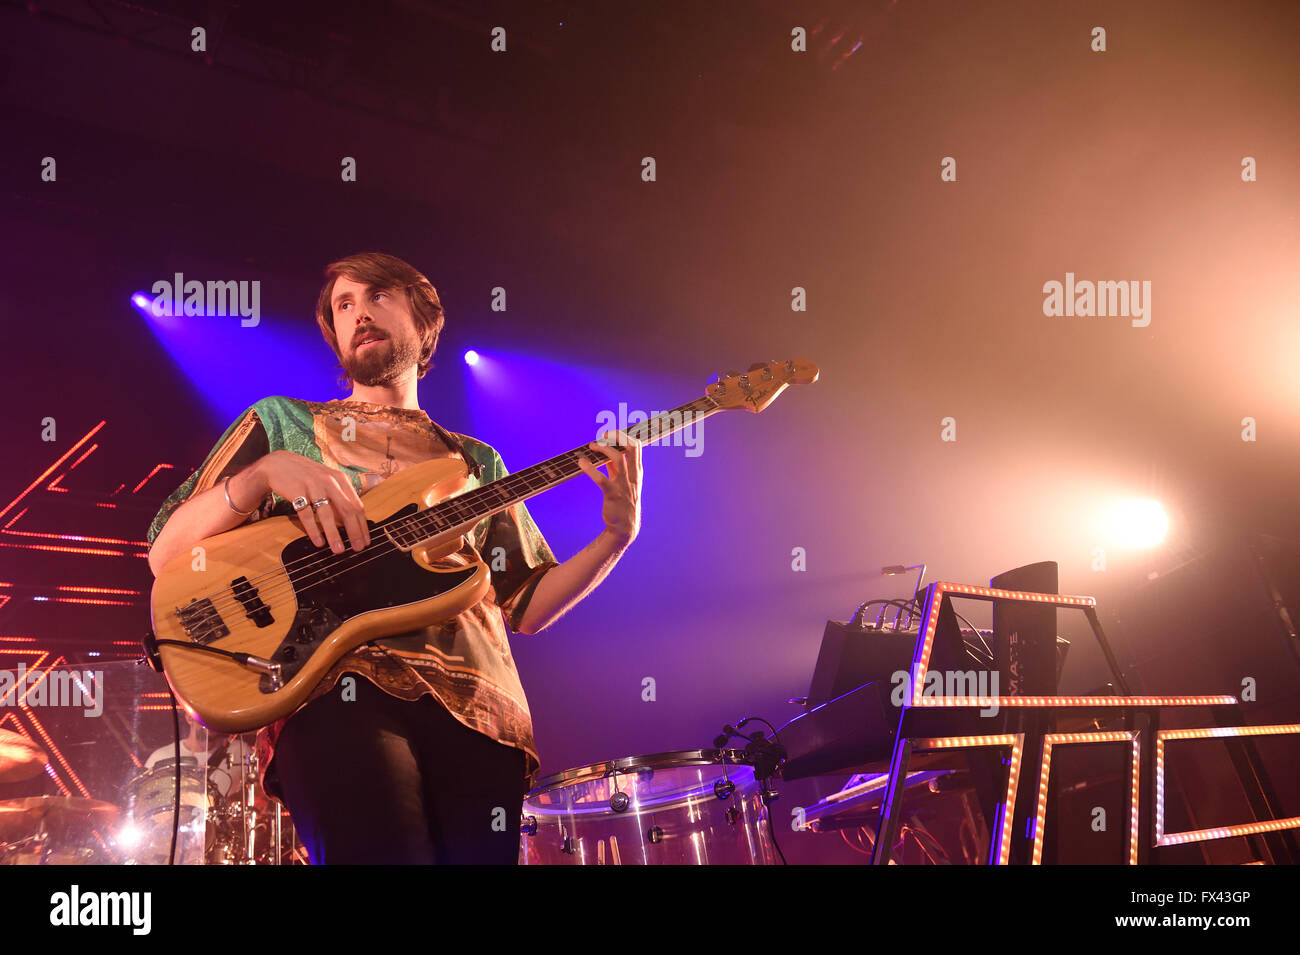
[{"x": 496, "y": 496}]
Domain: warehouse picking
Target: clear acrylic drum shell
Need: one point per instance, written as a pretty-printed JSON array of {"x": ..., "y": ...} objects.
[
  {"x": 674, "y": 816},
  {"x": 151, "y": 801}
]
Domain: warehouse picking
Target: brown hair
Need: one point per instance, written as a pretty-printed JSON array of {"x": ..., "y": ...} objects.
[{"x": 379, "y": 270}]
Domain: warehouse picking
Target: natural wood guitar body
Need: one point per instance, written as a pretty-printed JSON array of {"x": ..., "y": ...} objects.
[
  {"x": 305, "y": 617},
  {"x": 266, "y": 591}
]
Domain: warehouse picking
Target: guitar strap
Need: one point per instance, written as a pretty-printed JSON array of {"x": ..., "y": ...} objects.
[{"x": 453, "y": 442}]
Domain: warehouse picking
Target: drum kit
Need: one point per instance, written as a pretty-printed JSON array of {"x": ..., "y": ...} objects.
[
  {"x": 697, "y": 807},
  {"x": 690, "y": 807},
  {"x": 694, "y": 807},
  {"x": 237, "y": 827}
]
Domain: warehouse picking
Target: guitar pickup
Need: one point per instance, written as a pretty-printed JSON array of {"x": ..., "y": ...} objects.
[{"x": 254, "y": 608}]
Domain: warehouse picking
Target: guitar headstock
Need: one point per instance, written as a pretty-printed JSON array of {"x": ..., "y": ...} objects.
[{"x": 757, "y": 388}]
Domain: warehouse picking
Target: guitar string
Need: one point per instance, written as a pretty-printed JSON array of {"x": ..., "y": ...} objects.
[
  {"x": 329, "y": 563},
  {"x": 341, "y": 563},
  {"x": 430, "y": 522},
  {"x": 476, "y": 497}
]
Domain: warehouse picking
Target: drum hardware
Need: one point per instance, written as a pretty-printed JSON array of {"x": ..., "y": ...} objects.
[
  {"x": 245, "y": 828},
  {"x": 620, "y": 800},
  {"x": 766, "y": 756},
  {"x": 673, "y": 813},
  {"x": 53, "y": 830}
]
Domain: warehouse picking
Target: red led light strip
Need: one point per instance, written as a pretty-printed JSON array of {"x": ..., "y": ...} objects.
[
  {"x": 47, "y": 742},
  {"x": 97, "y": 590},
  {"x": 71, "y": 550},
  {"x": 99, "y": 601},
  {"x": 79, "y": 537},
  {"x": 52, "y": 468},
  {"x": 156, "y": 469}
]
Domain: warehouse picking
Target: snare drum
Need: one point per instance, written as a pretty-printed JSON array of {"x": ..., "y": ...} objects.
[{"x": 696, "y": 807}]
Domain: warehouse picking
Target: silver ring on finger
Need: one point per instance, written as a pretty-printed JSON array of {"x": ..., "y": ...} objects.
[
  {"x": 299, "y": 503},
  {"x": 323, "y": 500}
]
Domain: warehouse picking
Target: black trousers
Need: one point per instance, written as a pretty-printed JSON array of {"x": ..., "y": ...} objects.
[{"x": 380, "y": 780}]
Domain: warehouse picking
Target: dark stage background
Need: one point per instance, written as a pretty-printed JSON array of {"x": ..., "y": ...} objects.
[{"x": 774, "y": 170}]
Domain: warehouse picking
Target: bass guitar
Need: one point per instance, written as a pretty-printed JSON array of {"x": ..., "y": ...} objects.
[{"x": 245, "y": 639}]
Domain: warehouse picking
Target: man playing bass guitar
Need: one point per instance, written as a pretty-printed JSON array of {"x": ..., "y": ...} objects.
[{"x": 413, "y": 746}]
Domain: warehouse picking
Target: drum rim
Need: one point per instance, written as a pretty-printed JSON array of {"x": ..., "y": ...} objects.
[{"x": 673, "y": 758}]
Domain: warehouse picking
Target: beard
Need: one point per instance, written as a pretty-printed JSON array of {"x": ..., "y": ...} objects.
[{"x": 382, "y": 363}]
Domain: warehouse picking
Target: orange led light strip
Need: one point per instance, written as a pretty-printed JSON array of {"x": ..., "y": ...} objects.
[
  {"x": 1223, "y": 832},
  {"x": 935, "y": 601},
  {"x": 921, "y": 663},
  {"x": 1054, "y": 739},
  {"x": 149, "y": 475},
  {"x": 986, "y": 701},
  {"x": 1017, "y": 742},
  {"x": 52, "y": 468}
]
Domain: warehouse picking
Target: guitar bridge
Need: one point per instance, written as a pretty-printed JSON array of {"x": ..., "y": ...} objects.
[{"x": 201, "y": 622}]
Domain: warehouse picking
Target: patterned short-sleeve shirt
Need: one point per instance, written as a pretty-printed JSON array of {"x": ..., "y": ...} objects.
[{"x": 465, "y": 663}]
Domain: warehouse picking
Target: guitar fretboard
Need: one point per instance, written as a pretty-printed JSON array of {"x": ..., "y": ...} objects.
[{"x": 495, "y": 496}]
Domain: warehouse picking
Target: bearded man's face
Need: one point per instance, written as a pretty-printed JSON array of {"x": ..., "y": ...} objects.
[{"x": 375, "y": 331}]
